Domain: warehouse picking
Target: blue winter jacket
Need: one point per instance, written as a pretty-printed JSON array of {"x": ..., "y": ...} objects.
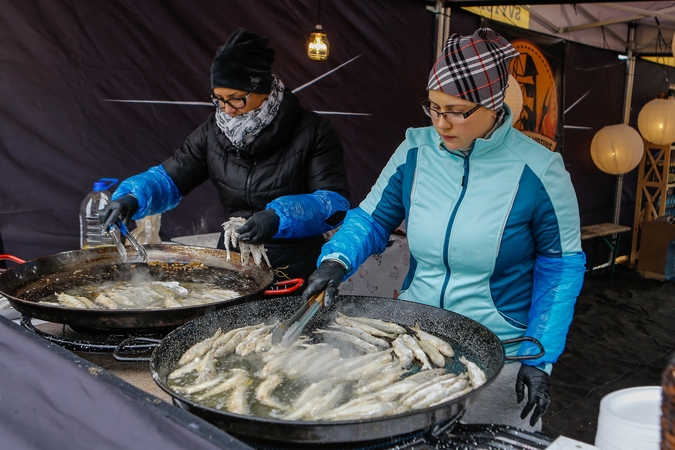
[{"x": 494, "y": 234}]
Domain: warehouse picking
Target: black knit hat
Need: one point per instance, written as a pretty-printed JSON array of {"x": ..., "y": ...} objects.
[{"x": 243, "y": 63}]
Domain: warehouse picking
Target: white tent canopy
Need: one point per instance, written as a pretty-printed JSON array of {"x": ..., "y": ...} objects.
[{"x": 603, "y": 25}]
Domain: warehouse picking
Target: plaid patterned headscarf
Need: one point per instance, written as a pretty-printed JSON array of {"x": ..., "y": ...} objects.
[{"x": 475, "y": 68}]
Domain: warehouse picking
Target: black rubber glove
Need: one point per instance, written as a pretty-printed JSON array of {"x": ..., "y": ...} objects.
[
  {"x": 259, "y": 228},
  {"x": 328, "y": 276},
  {"x": 123, "y": 208},
  {"x": 538, "y": 398}
]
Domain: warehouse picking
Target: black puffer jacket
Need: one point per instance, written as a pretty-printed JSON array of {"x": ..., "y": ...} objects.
[{"x": 298, "y": 153}]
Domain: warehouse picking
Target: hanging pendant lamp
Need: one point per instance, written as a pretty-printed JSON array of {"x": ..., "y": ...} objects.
[
  {"x": 656, "y": 121},
  {"x": 617, "y": 149},
  {"x": 317, "y": 45}
]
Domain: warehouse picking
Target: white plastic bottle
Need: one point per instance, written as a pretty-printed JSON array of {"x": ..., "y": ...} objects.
[{"x": 91, "y": 230}]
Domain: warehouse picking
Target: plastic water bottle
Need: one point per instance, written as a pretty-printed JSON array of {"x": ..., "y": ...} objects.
[
  {"x": 670, "y": 261},
  {"x": 91, "y": 230}
]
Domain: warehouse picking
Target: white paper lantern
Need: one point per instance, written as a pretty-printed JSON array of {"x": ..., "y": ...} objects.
[
  {"x": 514, "y": 98},
  {"x": 656, "y": 121},
  {"x": 617, "y": 149}
]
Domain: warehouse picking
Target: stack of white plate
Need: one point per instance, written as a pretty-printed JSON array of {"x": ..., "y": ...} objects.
[{"x": 630, "y": 419}]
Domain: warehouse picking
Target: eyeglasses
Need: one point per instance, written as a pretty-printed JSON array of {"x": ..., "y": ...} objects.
[
  {"x": 236, "y": 103},
  {"x": 450, "y": 116}
]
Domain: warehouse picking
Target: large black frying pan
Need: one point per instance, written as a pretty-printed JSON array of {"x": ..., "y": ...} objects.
[
  {"x": 24, "y": 285},
  {"x": 468, "y": 338}
]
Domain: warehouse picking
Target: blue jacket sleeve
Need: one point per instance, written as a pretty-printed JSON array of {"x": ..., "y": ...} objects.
[
  {"x": 155, "y": 190},
  {"x": 306, "y": 214},
  {"x": 557, "y": 283},
  {"x": 359, "y": 237}
]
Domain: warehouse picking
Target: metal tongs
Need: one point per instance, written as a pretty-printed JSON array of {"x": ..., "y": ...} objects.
[
  {"x": 124, "y": 231},
  {"x": 288, "y": 332},
  {"x": 118, "y": 242}
]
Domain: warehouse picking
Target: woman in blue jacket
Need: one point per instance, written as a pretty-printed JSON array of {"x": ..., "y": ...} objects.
[{"x": 492, "y": 222}]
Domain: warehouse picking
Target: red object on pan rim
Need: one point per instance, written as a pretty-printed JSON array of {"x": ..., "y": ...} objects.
[
  {"x": 283, "y": 287},
  {"x": 12, "y": 258},
  {"x": 4, "y": 257}
]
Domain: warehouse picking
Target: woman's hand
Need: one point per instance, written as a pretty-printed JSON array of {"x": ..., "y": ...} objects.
[
  {"x": 123, "y": 208},
  {"x": 538, "y": 398},
  {"x": 259, "y": 228},
  {"x": 327, "y": 277}
]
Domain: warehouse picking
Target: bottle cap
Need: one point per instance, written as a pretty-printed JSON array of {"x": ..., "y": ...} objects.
[{"x": 104, "y": 183}]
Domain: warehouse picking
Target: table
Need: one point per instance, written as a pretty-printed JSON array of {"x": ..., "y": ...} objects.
[
  {"x": 381, "y": 275},
  {"x": 610, "y": 234}
]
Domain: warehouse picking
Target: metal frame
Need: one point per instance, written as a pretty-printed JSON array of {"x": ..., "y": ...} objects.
[{"x": 652, "y": 189}]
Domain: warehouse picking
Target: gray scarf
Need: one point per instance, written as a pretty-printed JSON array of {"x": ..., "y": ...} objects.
[{"x": 241, "y": 130}]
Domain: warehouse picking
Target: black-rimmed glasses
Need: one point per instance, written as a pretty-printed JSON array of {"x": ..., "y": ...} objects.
[
  {"x": 450, "y": 116},
  {"x": 236, "y": 103}
]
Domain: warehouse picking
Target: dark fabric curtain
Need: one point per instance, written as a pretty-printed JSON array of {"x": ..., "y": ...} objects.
[
  {"x": 62, "y": 63},
  {"x": 594, "y": 84}
]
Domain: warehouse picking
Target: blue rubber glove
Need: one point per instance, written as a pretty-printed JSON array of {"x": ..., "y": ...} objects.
[
  {"x": 259, "y": 228},
  {"x": 538, "y": 398},
  {"x": 123, "y": 208},
  {"x": 327, "y": 277}
]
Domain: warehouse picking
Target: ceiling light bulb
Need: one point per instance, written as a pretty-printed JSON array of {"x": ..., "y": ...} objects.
[{"x": 317, "y": 45}]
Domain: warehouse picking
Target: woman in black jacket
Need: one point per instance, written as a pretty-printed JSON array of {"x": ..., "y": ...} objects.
[{"x": 273, "y": 162}]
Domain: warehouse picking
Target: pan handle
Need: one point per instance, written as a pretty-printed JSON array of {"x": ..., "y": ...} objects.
[
  {"x": 13, "y": 258},
  {"x": 135, "y": 345},
  {"x": 279, "y": 288},
  {"x": 440, "y": 428},
  {"x": 525, "y": 357}
]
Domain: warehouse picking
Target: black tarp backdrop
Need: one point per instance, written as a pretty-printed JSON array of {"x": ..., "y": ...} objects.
[{"x": 60, "y": 60}]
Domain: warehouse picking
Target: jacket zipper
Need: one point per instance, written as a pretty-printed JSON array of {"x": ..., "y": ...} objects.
[
  {"x": 248, "y": 184},
  {"x": 446, "y": 246}
]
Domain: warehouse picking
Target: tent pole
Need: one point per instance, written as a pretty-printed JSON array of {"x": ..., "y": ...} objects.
[
  {"x": 630, "y": 71},
  {"x": 442, "y": 25},
  {"x": 628, "y": 95},
  {"x": 617, "y": 197}
]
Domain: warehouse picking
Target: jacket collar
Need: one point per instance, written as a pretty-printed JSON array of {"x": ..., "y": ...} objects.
[
  {"x": 494, "y": 140},
  {"x": 277, "y": 133}
]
